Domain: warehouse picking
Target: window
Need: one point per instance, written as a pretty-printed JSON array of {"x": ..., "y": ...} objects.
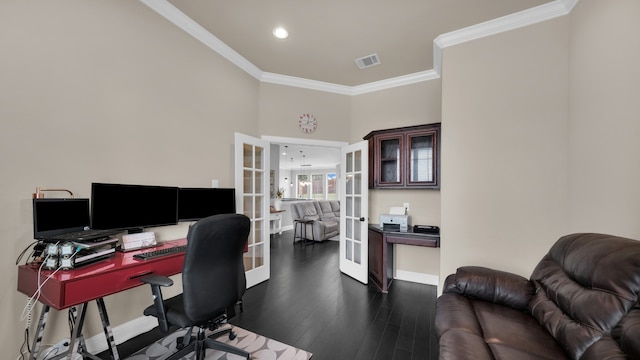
[
  {"x": 303, "y": 186},
  {"x": 332, "y": 187},
  {"x": 317, "y": 186}
]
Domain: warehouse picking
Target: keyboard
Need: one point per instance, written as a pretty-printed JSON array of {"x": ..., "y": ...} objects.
[{"x": 153, "y": 254}]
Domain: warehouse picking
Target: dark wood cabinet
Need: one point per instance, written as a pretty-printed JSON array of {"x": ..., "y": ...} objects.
[
  {"x": 381, "y": 252},
  {"x": 380, "y": 260},
  {"x": 407, "y": 157}
]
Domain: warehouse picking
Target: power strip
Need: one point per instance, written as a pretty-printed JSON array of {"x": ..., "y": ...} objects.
[{"x": 59, "y": 348}]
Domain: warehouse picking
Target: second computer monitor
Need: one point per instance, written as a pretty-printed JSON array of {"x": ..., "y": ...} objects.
[{"x": 198, "y": 203}]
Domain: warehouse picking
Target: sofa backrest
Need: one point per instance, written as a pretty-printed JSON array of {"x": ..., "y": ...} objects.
[
  {"x": 587, "y": 295},
  {"x": 328, "y": 208},
  {"x": 304, "y": 210}
]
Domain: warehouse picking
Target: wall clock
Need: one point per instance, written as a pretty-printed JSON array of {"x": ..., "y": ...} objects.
[{"x": 307, "y": 123}]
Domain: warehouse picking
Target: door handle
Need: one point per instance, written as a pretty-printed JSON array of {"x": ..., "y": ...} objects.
[{"x": 361, "y": 219}]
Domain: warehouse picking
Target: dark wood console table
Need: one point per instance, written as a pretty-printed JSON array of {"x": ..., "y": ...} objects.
[{"x": 381, "y": 251}]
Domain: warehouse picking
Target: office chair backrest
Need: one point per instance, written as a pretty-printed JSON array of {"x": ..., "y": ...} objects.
[{"x": 213, "y": 277}]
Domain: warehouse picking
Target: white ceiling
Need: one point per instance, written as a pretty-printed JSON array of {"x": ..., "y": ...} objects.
[
  {"x": 293, "y": 156},
  {"x": 327, "y": 36}
]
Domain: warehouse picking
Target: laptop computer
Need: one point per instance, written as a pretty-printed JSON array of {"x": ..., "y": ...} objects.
[{"x": 64, "y": 219}]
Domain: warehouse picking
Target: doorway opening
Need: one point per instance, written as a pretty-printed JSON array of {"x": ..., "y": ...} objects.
[{"x": 302, "y": 169}]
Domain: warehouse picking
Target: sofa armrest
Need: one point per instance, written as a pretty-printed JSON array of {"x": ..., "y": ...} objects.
[{"x": 491, "y": 285}]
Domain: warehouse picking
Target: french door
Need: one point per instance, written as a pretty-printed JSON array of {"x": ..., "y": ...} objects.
[
  {"x": 354, "y": 208},
  {"x": 252, "y": 200}
]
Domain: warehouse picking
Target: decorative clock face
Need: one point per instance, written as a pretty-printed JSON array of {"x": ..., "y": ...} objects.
[{"x": 307, "y": 123}]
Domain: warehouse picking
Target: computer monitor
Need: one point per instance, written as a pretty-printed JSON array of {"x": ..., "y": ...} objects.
[
  {"x": 58, "y": 216},
  {"x": 198, "y": 203},
  {"x": 133, "y": 207}
]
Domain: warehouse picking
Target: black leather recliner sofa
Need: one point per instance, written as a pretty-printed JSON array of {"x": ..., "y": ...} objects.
[{"x": 582, "y": 302}]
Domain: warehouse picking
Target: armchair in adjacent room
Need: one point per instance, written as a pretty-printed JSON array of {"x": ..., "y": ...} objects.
[{"x": 213, "y": 282}]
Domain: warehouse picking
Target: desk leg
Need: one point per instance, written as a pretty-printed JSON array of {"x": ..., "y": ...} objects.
[
  {"x": 76, "y": 344},
  {"x": 107, "y": 329},
  {"x": 37, "y": 339},
  {"x": 76, "y": 334}
]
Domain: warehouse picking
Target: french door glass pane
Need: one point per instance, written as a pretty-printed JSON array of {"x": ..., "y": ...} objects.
[
  {"x": 247, "y": 155},
  {"x": 247, "y": 182},
  {"x": 248, "y": 205},
  {"x": 258, "y": 157},
  {"x": 259, "y": 255},
  {"x": 258, "y": 208},
  {"x": 258, "y": 182},
  {"x": 357, "y": 161},
  {"x": 247, "y": 259}
]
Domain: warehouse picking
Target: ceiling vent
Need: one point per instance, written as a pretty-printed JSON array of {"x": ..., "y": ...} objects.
[{"x": 368, "y": 61}]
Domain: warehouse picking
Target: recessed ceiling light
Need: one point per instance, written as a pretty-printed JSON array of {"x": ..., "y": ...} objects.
[{"x": 280, "y": 32}]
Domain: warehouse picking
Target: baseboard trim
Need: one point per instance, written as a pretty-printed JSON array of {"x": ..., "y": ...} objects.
[
  {"x": 419, "y": 278},
  {"x": 121, "y": 333}
]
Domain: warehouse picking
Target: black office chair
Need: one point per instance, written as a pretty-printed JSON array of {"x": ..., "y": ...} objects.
[{"x": 213, "y": 282}]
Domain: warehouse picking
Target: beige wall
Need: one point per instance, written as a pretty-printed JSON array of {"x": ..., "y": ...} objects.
[
  {"x": 280, "y": 107},
  {"x": 539, "y": 137},
  {"x": 106, "y": 91},
  {"x": 403, "y": 106},
  {"x": 604, "y": 105},
  {"x": 504, "y": 163}
]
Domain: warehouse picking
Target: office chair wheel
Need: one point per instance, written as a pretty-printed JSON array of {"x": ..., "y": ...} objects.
[{"x": 232, "y": 335}]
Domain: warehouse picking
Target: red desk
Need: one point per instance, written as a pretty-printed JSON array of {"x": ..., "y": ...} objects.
[{"x": 67, "y": 288}]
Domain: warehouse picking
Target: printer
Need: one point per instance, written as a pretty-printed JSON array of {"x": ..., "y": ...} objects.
[{"x": 395, "y": 222}]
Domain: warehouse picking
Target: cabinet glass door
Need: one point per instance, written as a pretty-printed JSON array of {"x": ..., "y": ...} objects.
[
  {"x": 390, "y": 161},
  {"x": 421, "y": 158}
]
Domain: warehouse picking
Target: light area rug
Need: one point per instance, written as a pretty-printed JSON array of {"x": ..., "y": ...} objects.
[{"x": 260, "y": 348}]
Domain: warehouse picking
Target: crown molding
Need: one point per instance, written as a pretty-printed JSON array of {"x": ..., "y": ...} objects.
[
  {"x": 349, "y": 90},
  {"x": 517, "y": 20},
  {"x": 395, "y": 82},
  {"x": 506, "y": 23},
  {"x": 287, "y": 80}
]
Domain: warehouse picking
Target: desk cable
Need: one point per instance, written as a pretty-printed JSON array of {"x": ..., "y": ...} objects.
[
  {"x": 27, "y": 311},
  {"x": 37, "y": 251}
]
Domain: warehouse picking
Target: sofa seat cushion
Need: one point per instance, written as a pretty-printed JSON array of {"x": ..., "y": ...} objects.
[{"x": 476, "y": 329}]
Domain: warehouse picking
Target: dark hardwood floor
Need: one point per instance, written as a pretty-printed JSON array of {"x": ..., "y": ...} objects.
[{"x": 309, "y": 304}]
